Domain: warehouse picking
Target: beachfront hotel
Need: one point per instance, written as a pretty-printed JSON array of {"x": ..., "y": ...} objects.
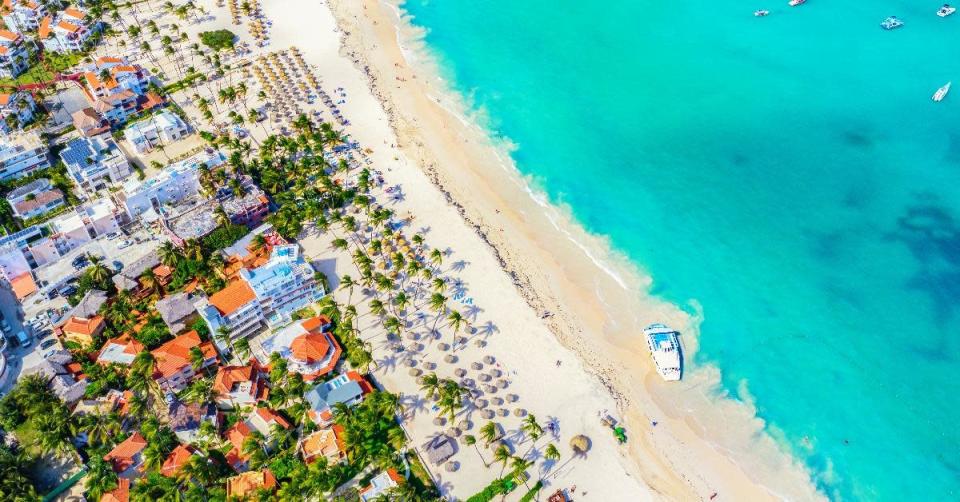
[
  {"x": 173, "y": 184},
  {"x": 22, "y": 15},
  {"x": 67, "y": 31},
  {"x": 160, "y": 129},
  {"x": 264, "y": 296},
  {"x": 94, "y": 162},
  {"x": 307, "y": 345}
]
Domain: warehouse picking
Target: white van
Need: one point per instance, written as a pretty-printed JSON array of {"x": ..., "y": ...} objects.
[{"x": 23, "y": 338}]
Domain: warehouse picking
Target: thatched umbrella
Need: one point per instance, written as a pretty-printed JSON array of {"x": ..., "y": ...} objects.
[
  {"x": 480, "y": 403},
  {"x": 580, "y": 444},
  {"x": 488, "y": 414},
  {"x": 495, "y": 373},
  {"x": 430, "y": 365},
  {"x": 464, "y": 425},
  {"x": 410, "y": 363},
  {"x": 479, "y": 343},
  {"x": 484, "y": 377},
  {"x": 467, "y": 382},
  {"x": 502, "y": 383},
  {"x": 512, "y": 398},
  {"x": 460, "y": 372},
  {"x": 489, "y": 359},
  {"x": 476, "y": 365},
  {"x": 453, "y": 431},
  {"x": 496, "y": 401},
  {"x": 412, "y": 336},
  {"x": 451, "y": 466},
  {"x": 519, "y": 412},
  {"x": 439, "y": 421},
  {"x": 503, "y": 412},
  {"x": 414, "y": 372},
  {"x": 450, "y": 358},
  {"x": 443, "y": 346},
  {"x": 489, "y": 388},
  {"x": 420, "y": 379}
]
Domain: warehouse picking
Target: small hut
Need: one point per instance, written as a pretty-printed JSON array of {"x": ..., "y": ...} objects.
[{"x": 580, "y": 444}]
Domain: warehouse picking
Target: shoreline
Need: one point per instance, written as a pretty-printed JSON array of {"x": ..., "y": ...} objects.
[{"x": 679, "y": 461}]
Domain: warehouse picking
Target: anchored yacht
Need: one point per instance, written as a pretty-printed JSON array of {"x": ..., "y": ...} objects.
[
  {"x": 665, "y": 349},
  {"x": 942, "y": 92},
  {"x": 891, "y": 23},
  {"x": 946, "y": 10}
]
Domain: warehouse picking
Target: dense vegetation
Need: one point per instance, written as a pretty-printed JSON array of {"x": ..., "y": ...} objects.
[{"x": 218, "y": 40}]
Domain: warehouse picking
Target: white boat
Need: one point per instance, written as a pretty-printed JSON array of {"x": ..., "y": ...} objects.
[
  {"x": 761, "y": 13},
  {"x": 794, "y": 3},
  {"x": 942, "y": 92},
  {"x": 665, "y": 349},
  {"x": 891, "y": 23},
  {"x": 946, "y": 10}
]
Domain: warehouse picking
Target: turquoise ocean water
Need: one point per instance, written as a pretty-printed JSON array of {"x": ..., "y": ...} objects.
[{"x": 790, "y": 173}]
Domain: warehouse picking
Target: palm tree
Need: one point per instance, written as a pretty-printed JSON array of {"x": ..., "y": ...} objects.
[
  {"x": 402, "y": 301},
  {"x": 502, "y": 455},
  {"x": 489, "y": 432},
  {"x": 100, "y": 427},
  {"x": 196, "y": 358},
  {"x": 242, "y": 348},
  {"x": 347, "y": 282},
  {"x": 472, "y": 441},
  {"x": 456, "y": 321},
  {"x": 439, "y": 285},
  {"x": 340, "y": 244},
  {"x": 551, "y": 452},
  {"x": 259, "y": 242},
  {"x": 200, "y": 391},
  {"x": 100, "y": 477},
  {"x": 438, "y": 304},
  {"x": 98, "y": 272},
  {"x": 393, "y": 325},
  {"x": 431, "y": 385},
  {"x": 149, "y": 279},
  {"x": 376, "y": 307},
  {"x": 223, "y": 336},
  {"x": 531, "y": 427},
  {"x": 436, "y": 257}
]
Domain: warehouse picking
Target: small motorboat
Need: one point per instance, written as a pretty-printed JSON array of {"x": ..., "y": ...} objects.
[
  {"x": 761, "y": 13},
  {"x": 941, "y": 92},
  {"x": 891, "y": 23},
  {"x": 946, "y": 10},
  {"x": 794, "y": 3}
]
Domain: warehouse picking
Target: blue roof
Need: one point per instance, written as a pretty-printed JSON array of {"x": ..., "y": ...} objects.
[{"x": 77, "y": 152}]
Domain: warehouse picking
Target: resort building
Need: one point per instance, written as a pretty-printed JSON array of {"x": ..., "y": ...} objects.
[
  {"x": 306, "y": 345},
  {"x": 348, "y": 388},
  {"x": 245, "y": 486},
  {"x": 326, "y": 443},
  {"x": 159, "y": 130},
  {"x": 119, "y": 494},
  {"x": 265, "y": 295},
  {"x": 22, "y": 153},
  {"x": 120, "y": 350},
  {"x": 14, "y": 55},
  {"x": 66, "y": 31},
  {"x": 90, "y": 123},
  {"x": 74, "y": 228},
  {"x": 240, "y": 385},
  {"x": 23, "y": 15},
  {"x": 179, "y": 457},
  {"x": 175, "y": 363},
  {"x": 248, "y": 209},
  {"x": 94, "y": 161},
  {"x": 88, "y": 307},
  {"x": 380, "y": 485},
  {"x": 176, "y": 311},
  {"x": 173, "y": 184},
  {"x": 64, "y": 376},
  {"x": 16, "y": 109},
  {"x": 83, "y": 330},
  {"x": 35, "y": 198},
  {"x": 127, "y": 457},
  {"x": 112, "y": 75}
]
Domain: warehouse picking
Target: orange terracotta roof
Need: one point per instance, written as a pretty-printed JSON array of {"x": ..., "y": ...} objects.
[
  {"x": 315, "y": 323},
  {"x": 122, "y": 455},
  {"x": 64, "y": 25},
  {"x": 9, "y": 35},
  {"x": 130, "y": 346},
  {"x": 162, "y": 271},
  {"x": 237, "y": 434},
  {"x": 123, "y": 69},
  {"x": 229, "y": 299},
  {"x": 78, "y": 14},
  {"x": 86, "y": 327},
  {"x": 23, "y": 285},
  {"x": 43, "y": 31},
  {"x": 324, "y": 442},
  {"x": 269, "y": 416},
  {"x": 176, "y": 460},
  {"x": 108, "y": 59},
  {"x": 3, "y": 49},
  {"x": 174, "y": 355},
  {"x": 120, "y": 494},
  {"x": 247, "y": 483},
  {"x": 310, "y": 347}
]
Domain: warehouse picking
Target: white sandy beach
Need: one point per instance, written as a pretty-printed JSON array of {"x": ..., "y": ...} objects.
[{"x": 521, "y": 261}]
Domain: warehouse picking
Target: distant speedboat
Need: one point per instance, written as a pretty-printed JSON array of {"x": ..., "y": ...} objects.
[
  {"x": 794, "y": 3},
  {"x": 761, "y": 13},
  {"x": 891, "y": 23},
  {"x": 942, "y": 92},
  {"x": 946, "y": 10},
  {"x": 665, "y": 350}
]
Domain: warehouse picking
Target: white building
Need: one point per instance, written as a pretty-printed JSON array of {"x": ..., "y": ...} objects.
[
  {"x": 19, "y": 105},
  {"x": 12, "y": 262},
  {"x": 68, "y": 31},
  {"x": 22, "y": 153},
  {"x": 74, "y": 229},
  {"x": 94, "y": 161},
  {"x": 120, "y": 76},
  {"x": 35, "y": 198},
  {"x": 176, "y": 182},
  {"x": 160, "y": 129},
  {"x": 14, "y": 55},
  {"x": 23, "y": 15}
]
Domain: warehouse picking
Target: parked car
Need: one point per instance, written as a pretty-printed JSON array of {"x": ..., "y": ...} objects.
[
  {"x": 80, "y": 262},
  {"x": 117, "y": 265},
  {"x": 67, "y": 290},
  {"x": 48, "y": 343},
  {"x": 113, "y": 235},
  {"x": 23, "y": 339},
  {"x": 125, "y": 244}
]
